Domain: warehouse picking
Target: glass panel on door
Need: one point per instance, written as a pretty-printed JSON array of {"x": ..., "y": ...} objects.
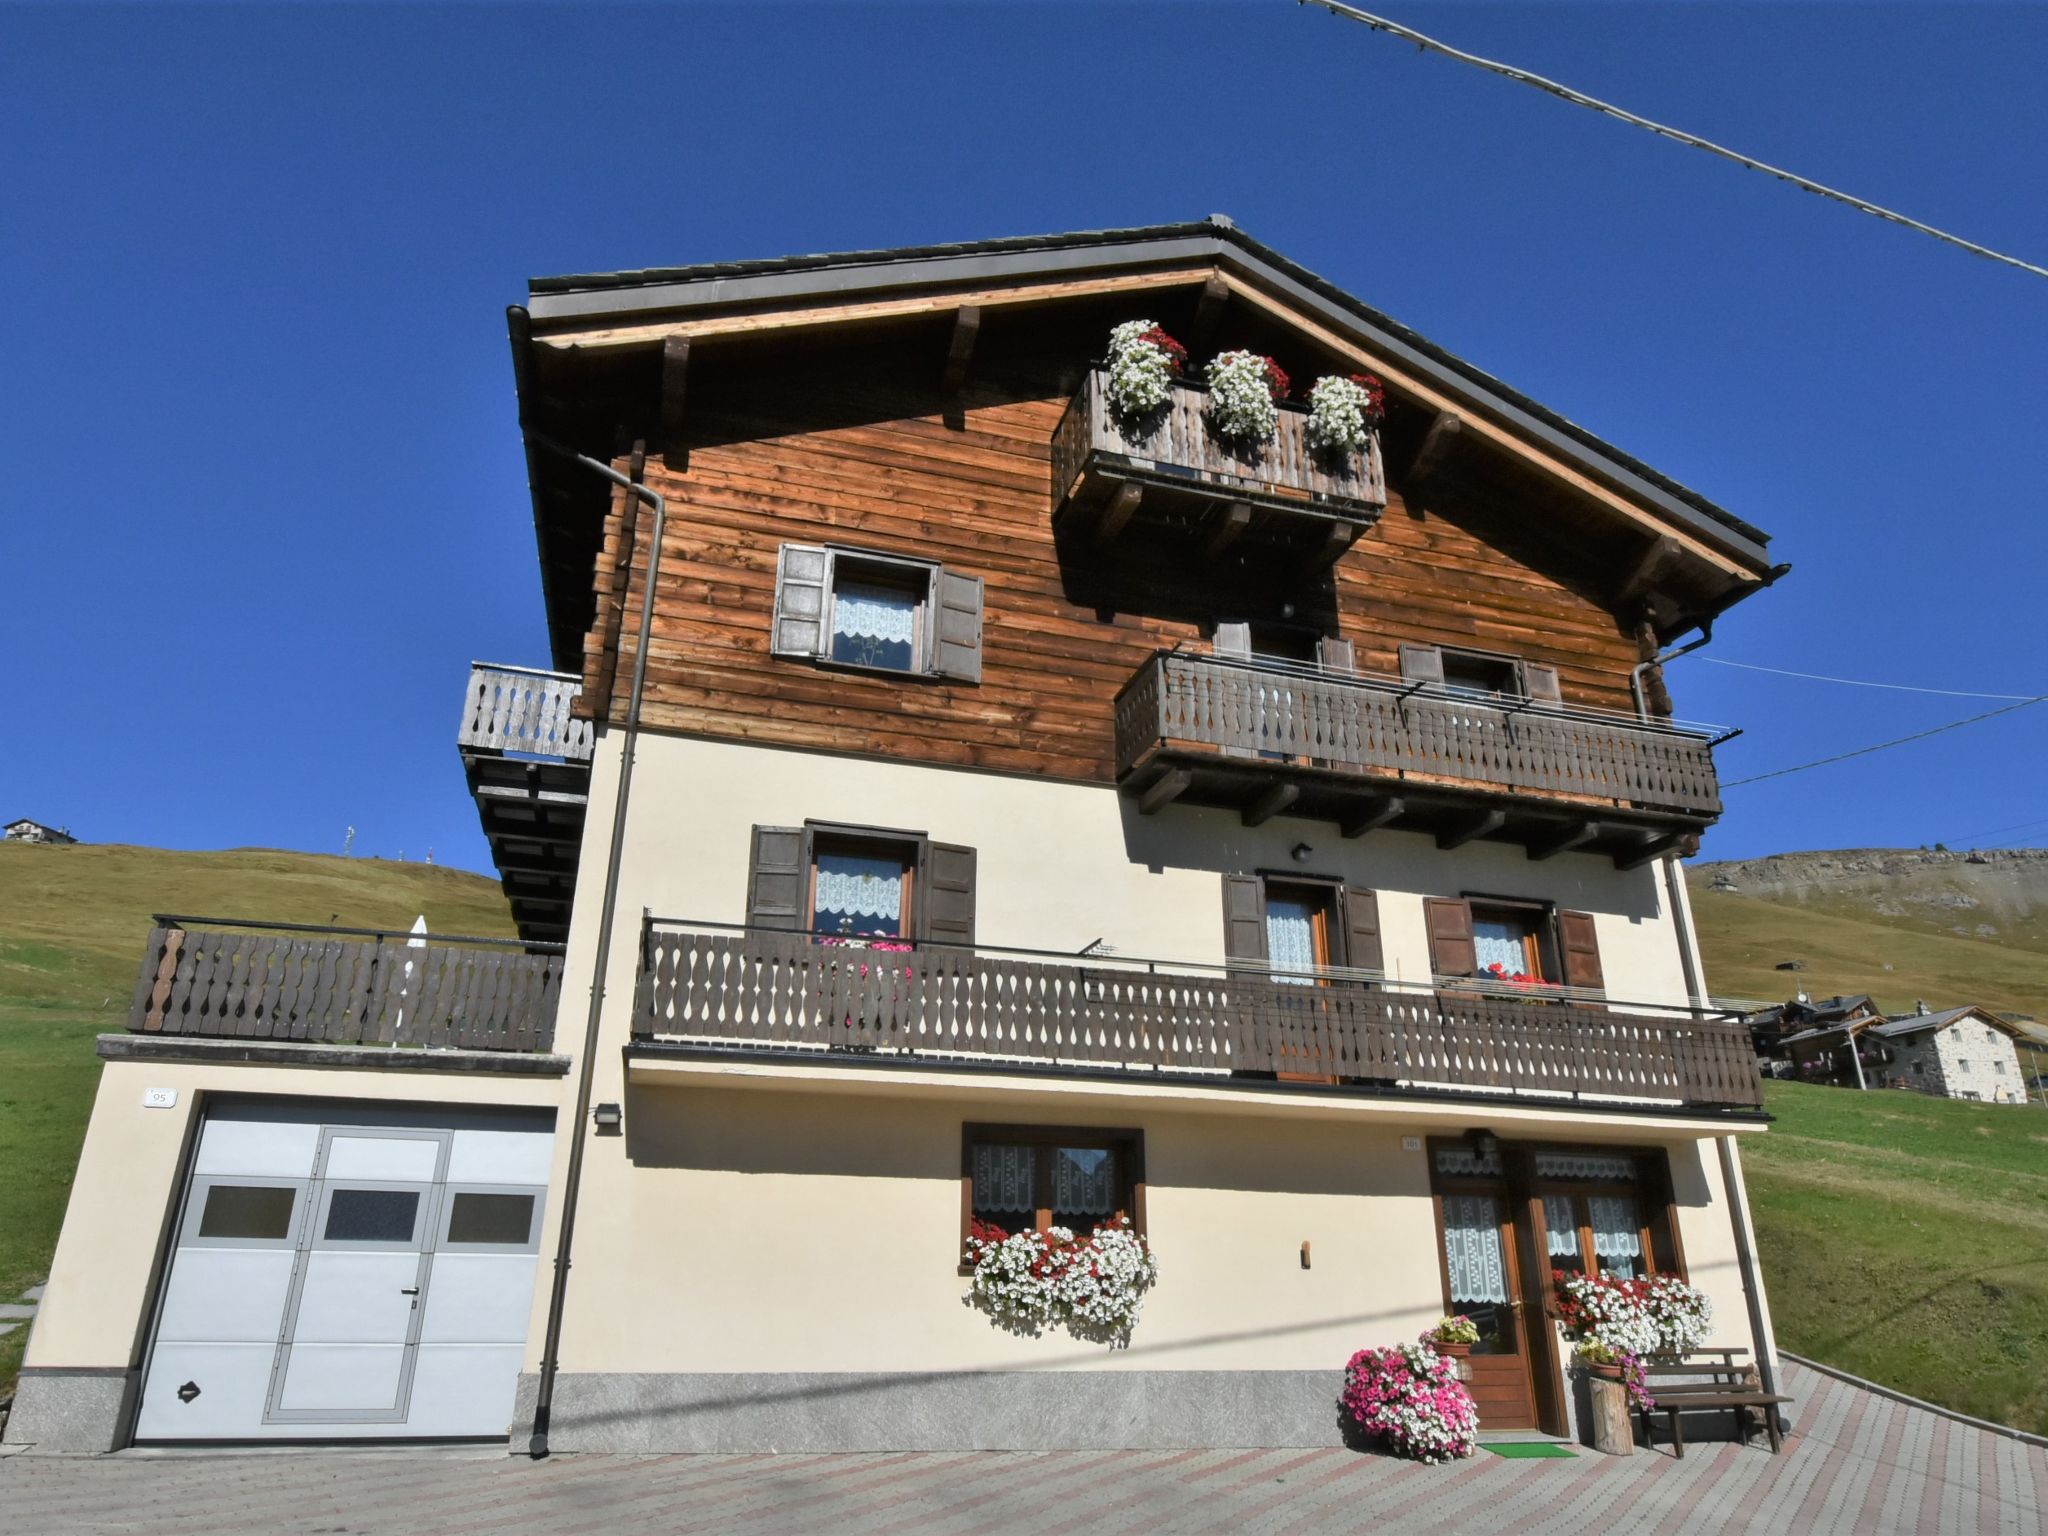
[{"x": 1477, "y": 1261}]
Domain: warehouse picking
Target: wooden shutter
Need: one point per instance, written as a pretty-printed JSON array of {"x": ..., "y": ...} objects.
[
  {"x": 776, "y": 878},
  {"x": 1335, "y": 655},
  {"x": 1451, "y": 948},
  {"x": 1578, "y": 942},
  {"x": 801, "y": 574},
  {"x": 946, "y": 896},
  {"x": 956, "y": 625},
  {"x": 1362, "y": 929},
  {"x": 1540, "y": 683},
  {"x": 1232, "y": 640},
  {"x": 1244, "y": 918},
  {"x": 1422, "y": 664}
]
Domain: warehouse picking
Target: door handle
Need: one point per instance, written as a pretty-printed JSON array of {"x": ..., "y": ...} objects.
[{"x": 410, "y": 1290}]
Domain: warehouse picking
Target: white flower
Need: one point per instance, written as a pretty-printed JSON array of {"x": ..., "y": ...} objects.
[
  {"x": 1340, "y": 415},
  {"x": 1094, "y": 1288},
  {"x": 1141, "y": 370},
  {"x": 1241, "y": 397}
]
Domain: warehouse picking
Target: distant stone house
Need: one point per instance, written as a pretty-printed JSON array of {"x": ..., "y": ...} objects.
[
  {"x": 1957, "y": 1053},
  {"x": 26, "y": 831}
]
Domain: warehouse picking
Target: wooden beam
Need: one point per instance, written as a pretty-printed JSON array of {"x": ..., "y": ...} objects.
[
  {"x": 1479, "y": 824},
  {"x": 1376, "y": 812},
  {"x": 1118, "y": 512},
  {"x": 1208, "y": 313},
  {"x": 1437, "y": 443},
  {"x": 1231, "y": 528},
  {"x": 1331, "y": 548},
  {"x": 1573, "y": 834},
  {"x": 1656, "y": 558},
  {"x": 675, "y": 376},
  {"x": 1270, "y": 803},
  {"x": 1655, "y": 846},
  {"x": 1164, "y": 790},
  {"x": 960, "y": 350}
]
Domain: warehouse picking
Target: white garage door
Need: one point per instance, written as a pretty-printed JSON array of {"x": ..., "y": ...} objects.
[{"x": 345, "y": 1272}]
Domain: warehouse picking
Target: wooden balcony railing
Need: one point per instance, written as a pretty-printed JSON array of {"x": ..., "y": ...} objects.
[
  {"x": 518, "y": 709},
  {"x": 346, "y": 986},
  {"x": 1390, "y": 730},
  {"x": 723, "y": 986},
  {"x": 1296, "y": 496}
]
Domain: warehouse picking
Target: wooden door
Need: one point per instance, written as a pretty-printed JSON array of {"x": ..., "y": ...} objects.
[{"x": 1483, "y": 1279}]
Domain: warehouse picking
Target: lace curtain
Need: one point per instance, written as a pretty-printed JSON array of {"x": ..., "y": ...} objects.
[
  {"x": 1464, "y": 1162},
  {"x": 1588, "y": 1165},
  {"x": 1498, "y": 943},
  {"x": 1472, "y": 1249},
  {"x": 1291, "y": 941},
  {"x": 861, "y": 610},
  {"x": 1084, "y": 1181},
  {"x": 1562, "y": 1218},
  {"x": 1617, "y": 1234},
  {"x": 853, "y": 886},
  {"x": 1006, "y": 1180}
]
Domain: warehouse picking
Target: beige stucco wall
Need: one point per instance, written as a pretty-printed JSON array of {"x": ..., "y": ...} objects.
[{"x": 96, "y": 1307}]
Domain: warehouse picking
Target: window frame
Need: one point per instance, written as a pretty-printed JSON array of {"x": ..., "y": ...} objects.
[
  {"x": 1518, "y": 679},
  {"x": 1544, "y": 935},
  {"x": 1325, "y": 897},
  {"x": 1127, "y": 1142},
  {"x": 890, "y": 569},
  {"x": 863, "y": 842}
]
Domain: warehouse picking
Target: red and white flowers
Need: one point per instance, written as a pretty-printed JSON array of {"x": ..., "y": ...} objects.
[
  {"x": 1143, "y": 363},
  {"x": 1661, "y": 1315},
  {"x": 1410, "y": 1397},
  {"x": 1245, "y": 391},
  {"x": 1343, "y": 411},
  {"x": 1094, "y": 1287}
]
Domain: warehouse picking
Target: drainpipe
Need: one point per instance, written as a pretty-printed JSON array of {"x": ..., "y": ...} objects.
[
  {"x": 550, "y": 1361},
  {"x": 1732, "y": 1185}
]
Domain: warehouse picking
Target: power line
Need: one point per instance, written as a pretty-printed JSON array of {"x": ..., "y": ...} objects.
[
  {"x": 1843, "y": 757},
  {"x": 1968, "y": 839},
  {"x": 1854, "y": 682},
  {"x": 1594, "y": 104}
]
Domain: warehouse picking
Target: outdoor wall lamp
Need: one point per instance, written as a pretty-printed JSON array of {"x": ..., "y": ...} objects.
[
  {"x": 607, "y": 1118},
  {"x": 1302, "y": 853},
  {"x": 1485, "y": 1143}
]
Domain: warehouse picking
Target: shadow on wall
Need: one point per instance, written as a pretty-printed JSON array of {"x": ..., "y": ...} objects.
[
  {"x": 1212, "y": 839},
  {"x": 850, "y": 1135}
]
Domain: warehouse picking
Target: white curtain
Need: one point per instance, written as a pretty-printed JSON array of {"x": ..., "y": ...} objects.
[
  {"x": 860, "y": 887},
  {"x": 1499, "y": 944},
  {"x": 1464, "y": 1162},
  {"x": 1084, "y": 1181},
  {"x": 1291, "y": 941},
  {"x": 874, "y": 612},
  {"x": 1617, "y": 1235},
  {"x": 1572, "y": 1165},
  {"x": 1562, "y": 1218},
  {"x": 1472, "y": 1249},
  {"x": 1006, "y": 1179}
]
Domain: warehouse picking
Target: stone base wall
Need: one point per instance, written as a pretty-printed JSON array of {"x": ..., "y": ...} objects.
[{"x": 72, "y": 1410}]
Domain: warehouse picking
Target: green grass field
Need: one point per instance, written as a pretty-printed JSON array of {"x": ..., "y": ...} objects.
[
  {"x": 1905, "y": 1239},
  {"x": 72, "y": 926}
]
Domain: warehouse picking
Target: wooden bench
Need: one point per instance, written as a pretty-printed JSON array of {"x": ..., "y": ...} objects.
[{"x": 1730, "y": 1383}]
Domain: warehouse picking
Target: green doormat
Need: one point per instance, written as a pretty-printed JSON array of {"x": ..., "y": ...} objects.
[{"x": 1526, "y": 1450}]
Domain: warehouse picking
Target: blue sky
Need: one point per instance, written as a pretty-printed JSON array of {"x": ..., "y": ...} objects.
[{"x": 259, "y": 474}]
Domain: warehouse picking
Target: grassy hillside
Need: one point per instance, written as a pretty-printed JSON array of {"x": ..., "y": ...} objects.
[
  {"x": 1906, "y": 1239},
  {"x": 72, "y": 926}
]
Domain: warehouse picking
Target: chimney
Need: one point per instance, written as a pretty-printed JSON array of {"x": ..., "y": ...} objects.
[{"x": 1920, "y": 1005}]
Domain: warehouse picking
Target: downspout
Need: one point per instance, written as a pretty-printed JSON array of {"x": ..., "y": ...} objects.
[
  {"x": 1732, "y": 1185},
  {"x": 544, "y": 1398}
]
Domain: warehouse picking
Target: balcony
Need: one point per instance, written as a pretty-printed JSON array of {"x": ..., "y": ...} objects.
[
  {"x": 527, "y": 756},
  {"x": 1174, "y": 478},
  {"x": 346, "y": 986},
  {"x": 717, "y": 988},
  {"x": 1270, "y": 738}
]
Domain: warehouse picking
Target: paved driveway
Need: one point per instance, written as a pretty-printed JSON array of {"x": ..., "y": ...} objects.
[{"x": 1860, "y": 1463}]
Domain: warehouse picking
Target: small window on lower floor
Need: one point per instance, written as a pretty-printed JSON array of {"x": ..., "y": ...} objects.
[
  {"x": 490, "y": 1219},
  {"x": 256, "y": 1212},
  {"x": 1026, "y": 1178}
]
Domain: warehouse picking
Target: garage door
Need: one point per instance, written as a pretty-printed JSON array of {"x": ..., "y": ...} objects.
[{"x": 346, "y": 1272}]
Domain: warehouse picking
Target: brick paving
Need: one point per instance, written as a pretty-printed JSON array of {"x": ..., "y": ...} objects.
[{"x": 1856, "y": 1463}]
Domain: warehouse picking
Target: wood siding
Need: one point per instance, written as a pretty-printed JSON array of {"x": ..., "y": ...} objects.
[{"x": 882, "y": 467}]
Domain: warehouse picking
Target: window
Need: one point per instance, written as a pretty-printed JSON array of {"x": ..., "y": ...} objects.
[
  {"x": 873, "y": 883},
  {"x": 1479, "y": 676},
  {"x": 876, "y": 612},
  {"x": 1963, "y": 1064},
  {"x": 254, "y": 1211},
  {"x": 371, "y": 1215},
  {"x": 490, "y": 1220},
  {"x": 1019, "y": 1178},
  {"x": 1470, "y": 935},
  {"x": 1300, "y": 920},
  {"x": 1508, "y": 942},
  {"x": 1592, "y": 1217},
  {"x": 1998, "y": 1067},
  {"x": 1291, "y": 926},
  {"x": 1919, "y": 1069}
]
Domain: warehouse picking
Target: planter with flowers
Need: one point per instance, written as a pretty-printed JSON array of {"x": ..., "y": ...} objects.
[
  {"x": 1143, "y": 363},
  {"x": 1410, "y": 1399},
  {"x": 1342, "y": 413},
  {"x": 1094, "y": 1287},
  {"x": 1245, "y": 391},
  {"x": 1618, "y": 1324}
]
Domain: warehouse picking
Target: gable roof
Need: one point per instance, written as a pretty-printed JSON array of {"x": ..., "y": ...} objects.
[
  {"x": 1917, "y": 1023},
  {"x": 845, "y": 276}
]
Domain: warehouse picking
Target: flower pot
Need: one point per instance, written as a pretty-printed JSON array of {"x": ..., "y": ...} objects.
[
  {"x": 1603, "y": 1372},
  {"x": 1455, "y": 1351}
]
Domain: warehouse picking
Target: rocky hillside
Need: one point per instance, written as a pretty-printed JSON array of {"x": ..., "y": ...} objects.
[{"x": 1901, "y": 924}]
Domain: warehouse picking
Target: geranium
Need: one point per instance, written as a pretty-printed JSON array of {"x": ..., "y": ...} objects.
[
  {"x": 1500, "y": 973},
  {"x": 1244, "y": 394},
  {"x": 1658, "y": 1316},
  {"x": 1410, "y": 1397},
  {"x": 1143, "y": 362},
  {"x": 1094, "y": 1287},
  {"x": 1343, "y": 412}
]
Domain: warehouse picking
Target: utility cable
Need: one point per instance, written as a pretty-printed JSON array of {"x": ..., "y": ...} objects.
[
  {"x": 1843, "y": 757},
  {"x": 1853, "y": 682},
  {"x": 1594, "y": 104}
]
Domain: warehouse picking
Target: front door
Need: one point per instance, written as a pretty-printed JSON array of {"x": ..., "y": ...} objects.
[{"x": 1483, "y": 1280}]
